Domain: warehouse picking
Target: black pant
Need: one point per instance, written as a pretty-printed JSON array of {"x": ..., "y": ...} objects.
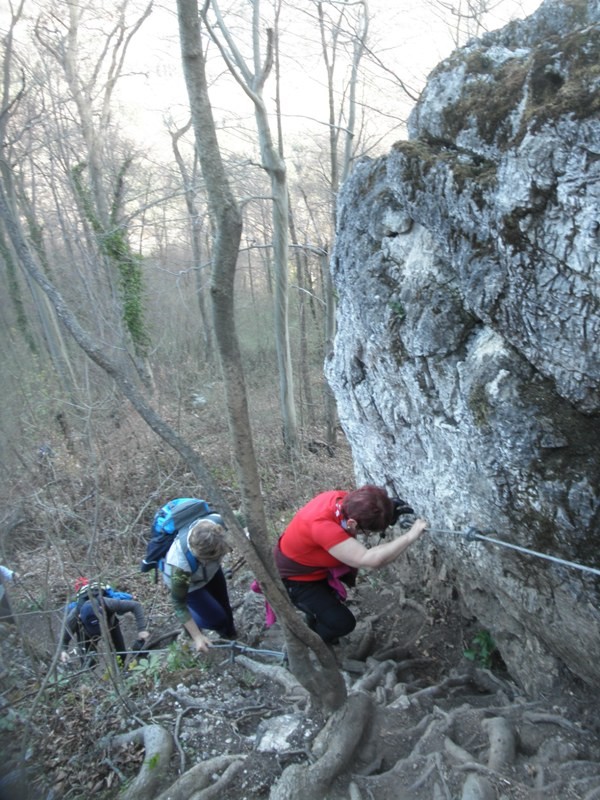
[
  {"x": 326, "y": 613},
  {"x": 6, "y": 614},
  {"x": 90, "y": 643}
]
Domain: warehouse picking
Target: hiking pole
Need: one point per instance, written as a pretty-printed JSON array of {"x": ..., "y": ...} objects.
[{"x": 471, "y": 534}]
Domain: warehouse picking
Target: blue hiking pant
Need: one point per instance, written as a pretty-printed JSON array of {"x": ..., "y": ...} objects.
[
  {"x": 210, "y": 608},
  {"x": 325, "y": 613}
]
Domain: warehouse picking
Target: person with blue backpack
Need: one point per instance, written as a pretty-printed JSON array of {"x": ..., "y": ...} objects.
[
  {"x": 95, "y": 600},
  {"x": 192, "y": 571}
]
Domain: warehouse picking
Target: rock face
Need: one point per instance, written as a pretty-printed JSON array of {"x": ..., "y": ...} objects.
[{"x": 466, "y": 365}]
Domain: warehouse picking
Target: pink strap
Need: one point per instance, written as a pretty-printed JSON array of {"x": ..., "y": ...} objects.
[{"x": 270, "y": 617}]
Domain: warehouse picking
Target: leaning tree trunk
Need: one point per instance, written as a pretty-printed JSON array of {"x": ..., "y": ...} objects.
[{"x": 252, "y": 82}]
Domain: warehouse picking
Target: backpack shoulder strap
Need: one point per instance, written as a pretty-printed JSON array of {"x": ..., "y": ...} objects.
[{"x": 190, "y": 557}]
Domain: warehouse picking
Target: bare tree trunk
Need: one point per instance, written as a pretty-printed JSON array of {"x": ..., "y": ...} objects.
[
  {"x": 306, "y": 388},
  {"x": 328, "y": 293},
  {"x": 359, "y": 42},
  {"x": 196, "y": 239},
  {"x": 253, "y": 83}
]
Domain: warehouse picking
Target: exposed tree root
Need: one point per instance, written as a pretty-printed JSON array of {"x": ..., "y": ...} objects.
[
  {"x": 279, "y": 674},
  {"x": 477, "y": 787},
  {"x": 472, "y": 751},
  {"x": 158, "y": 745},
  {"x": 364, "y": 646},
  {"x": 375, "y": 675},
  {"x": 553, "y": 719},
  {"x": 398, "y": 736},
  {"x": 217, "y": 790},
  {"x": 314, "y": 666},
  {"x": 502, "y": 742},
  {"x": 198, "y": 782},
  {"x": 337, "y": 744}
]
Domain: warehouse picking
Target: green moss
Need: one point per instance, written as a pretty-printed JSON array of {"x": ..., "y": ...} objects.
[
  {"x": 563, "y": 79},
  {"x": 490, "y": 101},
  {"x": 559, "y": 77},
  {"x": 398, "y": 310},
  {"x": 115, "y": 246},
  {"x": 423, "y": 156}
]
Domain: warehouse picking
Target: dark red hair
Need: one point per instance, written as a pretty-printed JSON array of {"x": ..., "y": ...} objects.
[{"x": 370, "y": 506}]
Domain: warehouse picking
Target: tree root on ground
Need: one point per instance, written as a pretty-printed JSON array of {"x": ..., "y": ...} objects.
[
  {"x": 198, "y": 782},
  {"x": 158, "y": 745},
  {"x": 336, "y": 746},
  {"x": 391, "y": 743},
  {"x": 464, "y": 738},
  {"x": 279, "y": 674}
]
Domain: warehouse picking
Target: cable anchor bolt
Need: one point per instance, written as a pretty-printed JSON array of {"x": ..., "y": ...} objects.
[{"x": 472, "y": 534}]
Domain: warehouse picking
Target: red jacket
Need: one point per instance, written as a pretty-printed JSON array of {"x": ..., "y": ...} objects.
[{"x": 314, "y": 529}]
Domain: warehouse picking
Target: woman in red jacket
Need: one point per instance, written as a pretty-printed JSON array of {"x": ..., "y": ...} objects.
[{"x": 318, "y": 549}]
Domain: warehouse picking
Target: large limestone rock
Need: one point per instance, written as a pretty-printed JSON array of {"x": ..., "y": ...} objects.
[{"x": 466, "y": 365}]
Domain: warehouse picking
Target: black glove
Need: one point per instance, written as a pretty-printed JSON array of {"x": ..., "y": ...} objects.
[{"x": 400, "y": 507}]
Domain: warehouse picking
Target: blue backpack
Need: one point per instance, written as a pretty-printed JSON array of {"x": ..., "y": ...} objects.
[{"x": 168, "y": 522}]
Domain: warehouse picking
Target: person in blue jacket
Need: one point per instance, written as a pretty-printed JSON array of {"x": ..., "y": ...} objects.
[{"x": 83, "y": 620}]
